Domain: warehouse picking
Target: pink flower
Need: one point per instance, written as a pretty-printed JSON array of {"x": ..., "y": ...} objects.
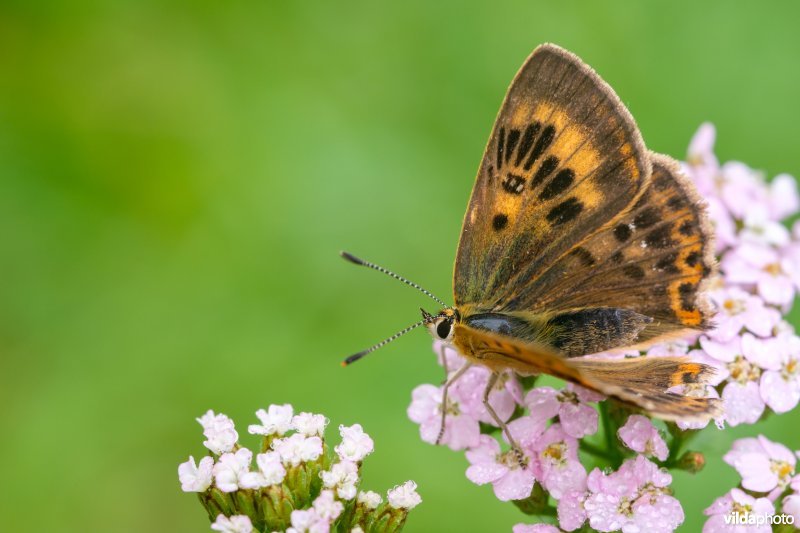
[
  {"x": 640, "y": 435},
  {"x": 736, "y": 502},
  {"x": 535, "y": 528},
  {"x": 724, "y": 225},
  {"x": 461, "y": 430},
  {"x": 577, "y": 418},
  {"x": 557, "y": 465},
  {"x": 741, "y": 396},
  {"x": 571, "y": 514},
  {"x": 791, "y": 506},
  {"x": 783, "y": 198},
  {"x": 762, "y": 267},
  {"x": 635, "y": 498},
  {"x": 740, "y": 187},
  {"x": 469, "y": 388},
  {"x": 510, "y": 480},
  {"x": 702, "y": 164},
  {"x": 672, "y": 348},
  {"x": 737, "y": 309},
  {"x": 763, "y": 464},
  {"x": 780, "y": 387}
]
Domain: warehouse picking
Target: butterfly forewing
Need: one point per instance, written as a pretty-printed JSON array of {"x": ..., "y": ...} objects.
[{"x": 564, "y": 158}]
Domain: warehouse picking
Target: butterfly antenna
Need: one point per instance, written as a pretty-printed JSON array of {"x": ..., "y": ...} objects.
[
  {"x": 355, "y": 260},
  {"x": 356, "y": 356}
]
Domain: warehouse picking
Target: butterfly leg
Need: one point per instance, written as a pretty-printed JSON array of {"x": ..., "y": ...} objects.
[
  {"x": 502, "y": 425},
  {"x": 444, "y": 364},
  {"x": 450, "y": 381}
]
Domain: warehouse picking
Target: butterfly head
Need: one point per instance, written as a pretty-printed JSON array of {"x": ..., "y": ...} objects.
[{"x": 441, "y": 325}]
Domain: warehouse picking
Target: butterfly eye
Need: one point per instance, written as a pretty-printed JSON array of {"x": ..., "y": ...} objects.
[{"x": 443, "y": 329}]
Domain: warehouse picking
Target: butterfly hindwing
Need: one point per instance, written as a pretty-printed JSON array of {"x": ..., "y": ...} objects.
[
  {"x": 564, "y": 157},
  {"x": 642, "y": 382},
  {"x": 652, "y": 259}
]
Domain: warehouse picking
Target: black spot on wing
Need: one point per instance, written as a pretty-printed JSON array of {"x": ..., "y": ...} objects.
[
  {"x": 499, "y": 221},
  {"x": 560, "y": 183},
  {"x": 659, "y": 237},
  {"x": 542, "y": 143},
  {"x": 501, "y": 141},
  {"x": 565, "y": 211},
  {"x": 646, "y": 218},
  {"x": 687, "y": 228},
  {"x": 513, "y": 184},
  {"x": 545, "y": 169},
  {"x": 584, "y": 256},
  {"x": 676, "y": 202},
  {"x": 633, "y": 271},
  {"x": 527, "y": 141},
  {"x": 513, "y": 138},
  {"x": 693, "y": 258},
  {"x": 662, "y": 182},
  {"x": 689, "y": 377},
  {"x": 667, "y": 264},
  {"x": 622, "y": 232},
  {"x": 687, "y": 292}
]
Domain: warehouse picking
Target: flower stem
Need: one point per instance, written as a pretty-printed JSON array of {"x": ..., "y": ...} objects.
[
  {"x": 596, "y": 451},
  {"x": 612, "y": 444}
]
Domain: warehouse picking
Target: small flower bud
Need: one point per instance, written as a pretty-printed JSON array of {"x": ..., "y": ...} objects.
[{"x": 692, "y": 462}]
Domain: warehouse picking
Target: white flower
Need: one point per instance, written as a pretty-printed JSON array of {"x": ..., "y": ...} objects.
[
  {"x": 234, "y": 524},
  {"x": 369, "y": 499},
  {"x": 356, "y": 530},
  {"x": 343, "y": 477},
  {"x": 310, "y": 424},
  {"x": 355, "y": 443},
  {"x": 219, "y": 431},
  {"x": 196, "y": 478},
  {"x": 298, "y": 448},
  {"x": 207, "y": 418},
  {"x": 327, "y": 507},
  {"x": 404, "y": 496},
  {"x": 230, "y": 468},
  {"x": 270, "y": 472},
  {"x": 276, "y": 420},
  {"x": 308, "y": 521}
]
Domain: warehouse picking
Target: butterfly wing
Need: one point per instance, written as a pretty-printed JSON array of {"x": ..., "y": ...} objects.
[
  {"x": 563, "y": 159},
  {"x": 653, "y": 259},
  {"x": 642, "y": 382},
  {"x": 575, "y": 247}
]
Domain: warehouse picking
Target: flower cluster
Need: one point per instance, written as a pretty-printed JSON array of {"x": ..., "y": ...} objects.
[
  {"x": 755, "y": 351},
  {"x": 769, "y": 486},
  {"x": 296, "y": 485},
  {"x": 635, "y": 495}
]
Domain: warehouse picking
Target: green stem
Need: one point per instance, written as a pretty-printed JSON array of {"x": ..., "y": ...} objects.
[
  {"x": 679, "y": 440},
  {"x": 596, "y": 451},
  {"x": 612, "y": 444}
]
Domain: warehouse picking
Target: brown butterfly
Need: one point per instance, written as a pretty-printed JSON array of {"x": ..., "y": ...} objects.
[{"x": 577, "y": 240}]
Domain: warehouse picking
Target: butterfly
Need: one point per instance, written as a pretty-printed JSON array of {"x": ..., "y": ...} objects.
[{"x": 577, "y": 240}]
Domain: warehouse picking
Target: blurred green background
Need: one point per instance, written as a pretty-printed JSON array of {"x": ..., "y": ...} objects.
[{"x": 177, "y": 178}]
